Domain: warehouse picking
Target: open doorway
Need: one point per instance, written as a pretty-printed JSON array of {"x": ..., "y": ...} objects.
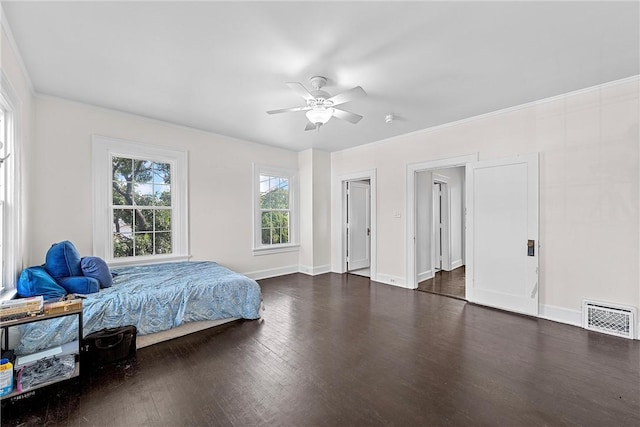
[
  {"x": 440, "y": 231},
  {"x": 358, "y": 227}
]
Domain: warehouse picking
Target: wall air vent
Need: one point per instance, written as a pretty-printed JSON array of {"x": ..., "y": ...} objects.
[{"x": 609, "y": 318}]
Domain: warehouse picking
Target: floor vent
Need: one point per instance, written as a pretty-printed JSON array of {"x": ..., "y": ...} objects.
[{"x": 609, "y": 318}]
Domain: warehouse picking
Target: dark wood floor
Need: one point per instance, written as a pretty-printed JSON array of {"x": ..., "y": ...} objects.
[
  {"x": 337, "y": 350},
  {"x": 448, "y": 283}
]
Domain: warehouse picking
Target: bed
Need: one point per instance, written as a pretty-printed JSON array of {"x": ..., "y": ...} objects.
[{"x": 156, "y": 299}]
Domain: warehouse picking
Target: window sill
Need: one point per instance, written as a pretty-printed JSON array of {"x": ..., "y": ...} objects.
[
  {"x": 7, "y": 294},
  {"x": 147, "y": 260},
  {"x": 275, "y": 249}
]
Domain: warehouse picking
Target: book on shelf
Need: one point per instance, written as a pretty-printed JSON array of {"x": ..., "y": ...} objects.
[{"x": 28, "y": 304}]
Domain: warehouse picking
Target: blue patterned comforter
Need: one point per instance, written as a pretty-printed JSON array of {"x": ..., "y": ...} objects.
[{"x": 154, "y": 298}]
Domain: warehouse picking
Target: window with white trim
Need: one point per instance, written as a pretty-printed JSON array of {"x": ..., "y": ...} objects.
[
  {"x": 140, "y": 202},
  {"x": 10, "y": 197},
  {"x": 275, "y": 217},
  {"x": 3, "y": 191}
]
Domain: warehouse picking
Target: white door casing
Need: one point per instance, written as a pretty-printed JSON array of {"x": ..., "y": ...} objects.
[
  {"x": 437, "y": 228},
  {"x": 502, "y": 219},
  {"x": 359, "y": 225}
]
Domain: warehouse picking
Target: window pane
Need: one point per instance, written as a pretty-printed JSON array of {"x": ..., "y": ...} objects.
[
  {"x": 265, "y": 192},
  {"x": 143, "y": 244},
  {"x": 284, "y": 235},
  {"x": 161, "y": 173},
  {"x": 266, "y": 220},
  {"x": 122, "y": 169},
  {"x": 144, "y": 220},
  {"x": 143, "y": 171},
  {"x": 163, "y": 220},
  {"x": 123, "y": 222},
  {"x": 266, "y": 236},
  {"x": 122, "y": 193},
  {"x": 122, "y": 233},
  {"x": 143, "y": 194},
  {"x": 162, "y": 194},
  {"x": 163, "y": 243},
  {"x": 122, "y": 246}
]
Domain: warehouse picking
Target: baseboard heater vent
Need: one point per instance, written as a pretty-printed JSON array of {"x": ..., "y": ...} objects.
[{"x": 609, "y": 318}]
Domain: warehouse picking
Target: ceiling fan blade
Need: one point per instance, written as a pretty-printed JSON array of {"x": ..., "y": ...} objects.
[
  {"x": 347, "y": 96},
  {"x": 310, "y": 126},
  {"x": 287, "y": 110},
  {"x": 347, "y": 115},
  {"x": 300, "y": 90}
]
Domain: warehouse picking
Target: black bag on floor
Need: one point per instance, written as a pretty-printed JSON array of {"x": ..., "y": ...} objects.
[{"x": 109, "y": 345}]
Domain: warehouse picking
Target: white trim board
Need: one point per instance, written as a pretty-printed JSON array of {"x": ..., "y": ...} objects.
[
  {"x": 272, "y": 272},
  {"x": 314, "y": 271},
  {"x": 389, "y": 279}
]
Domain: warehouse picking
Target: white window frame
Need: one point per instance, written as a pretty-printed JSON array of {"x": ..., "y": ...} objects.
[
  {"x": 12, "y": 215},
  {"x": 292, "y": 176},
  {"x": 103, "y": 150}
]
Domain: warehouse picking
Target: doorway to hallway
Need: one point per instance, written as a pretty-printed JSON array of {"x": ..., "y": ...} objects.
[{"x": 447, "y": 283}]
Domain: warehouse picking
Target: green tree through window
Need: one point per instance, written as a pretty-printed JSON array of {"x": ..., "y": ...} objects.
[
  {"x": 274, "y": 209},
  {"x": 141, "y": 207}
]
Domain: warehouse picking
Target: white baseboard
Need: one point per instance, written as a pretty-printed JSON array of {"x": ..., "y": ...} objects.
[
  {"x": 272, "y": 272},
  {"x": 426, "y": 275},
  {"x": 455, "y": 264},
  {"x": 314, "y": 271},
  {"x": 561, "y": 315},
  {"x": 391, "y": 280}
]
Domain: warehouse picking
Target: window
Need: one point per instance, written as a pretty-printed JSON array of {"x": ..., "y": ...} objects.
[
  {"x": 275, "y": 210},
  {"x": 10, "y": 197},
  {"x": 3, "y": 189},
  {"x": 140, "y": 209}
]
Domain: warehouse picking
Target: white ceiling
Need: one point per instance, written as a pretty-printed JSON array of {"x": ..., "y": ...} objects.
[{"x": 218, "y": 66}]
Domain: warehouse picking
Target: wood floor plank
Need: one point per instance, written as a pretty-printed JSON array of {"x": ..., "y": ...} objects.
[{"x": 341, "y": 350}]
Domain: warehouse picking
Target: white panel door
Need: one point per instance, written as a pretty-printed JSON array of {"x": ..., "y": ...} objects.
[
  {"x": 358, "y": 226},
  {"x": 502, "y": 233}
]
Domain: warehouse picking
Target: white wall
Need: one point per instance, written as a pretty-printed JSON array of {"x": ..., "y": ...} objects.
[
  {"x": 315, "y": 202},
  {"x": 589, "y": 187},
  {"x": 220, "y": 183}
]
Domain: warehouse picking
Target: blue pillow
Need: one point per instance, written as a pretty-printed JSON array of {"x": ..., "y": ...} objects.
[
  {"x": 36, "y": 281},
  {"x": 63, "y": 260},
  {"x": 79, "y": 284},
  {"x": 96, "y": 267}
]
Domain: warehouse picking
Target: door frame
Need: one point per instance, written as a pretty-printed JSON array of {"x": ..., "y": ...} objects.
[
  {"x": 445, "y": 219},
  {"x": 339, "y": 263},
  {"x": 412, "y": 170},
  {"x": 348, "y": 232}
]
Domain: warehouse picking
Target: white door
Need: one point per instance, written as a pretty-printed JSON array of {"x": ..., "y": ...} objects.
[
  {"x": 502, "y": 233},
  {"x": 358, "y": 225}
]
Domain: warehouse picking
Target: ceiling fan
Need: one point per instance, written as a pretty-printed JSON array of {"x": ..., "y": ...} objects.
[{"x": 320, "y": 105}]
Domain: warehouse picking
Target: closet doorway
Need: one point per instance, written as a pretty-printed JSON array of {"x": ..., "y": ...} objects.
[
  {"x": 440, "y": 231},
  {"x": 358, "y": 226}
]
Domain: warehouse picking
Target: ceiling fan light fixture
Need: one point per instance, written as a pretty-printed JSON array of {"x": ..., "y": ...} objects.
[{"x": 320, "y": 115}]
